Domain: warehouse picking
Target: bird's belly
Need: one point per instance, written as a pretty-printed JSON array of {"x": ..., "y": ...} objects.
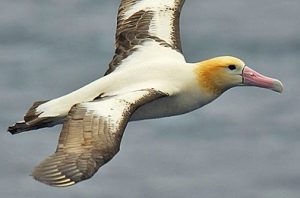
[{"x": 169, "y": 106}]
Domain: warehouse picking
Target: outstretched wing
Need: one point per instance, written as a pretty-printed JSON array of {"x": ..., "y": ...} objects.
[
  {"x": 147, "y": 29},
  {"x": 90, "y": 137}
]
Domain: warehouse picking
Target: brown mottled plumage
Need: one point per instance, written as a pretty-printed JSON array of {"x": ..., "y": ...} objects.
[
  {"x": 88, "y": 139},
  {"x": 134, "y": 30}
]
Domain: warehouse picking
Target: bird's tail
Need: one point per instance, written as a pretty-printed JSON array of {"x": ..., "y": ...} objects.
[{"x": 33, "y": 121}]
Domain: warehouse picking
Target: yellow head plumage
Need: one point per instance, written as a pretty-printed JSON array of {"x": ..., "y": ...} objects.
[{"x": 218, "y": 74}]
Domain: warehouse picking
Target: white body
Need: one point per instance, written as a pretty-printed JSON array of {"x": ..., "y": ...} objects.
[{"x": 181, "y": 86}]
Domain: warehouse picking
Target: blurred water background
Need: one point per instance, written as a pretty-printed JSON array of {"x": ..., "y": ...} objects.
[{"x": 246, "y": 144}]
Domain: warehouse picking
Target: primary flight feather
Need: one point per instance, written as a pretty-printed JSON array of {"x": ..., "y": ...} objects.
[{"x": 148, "y": 77}]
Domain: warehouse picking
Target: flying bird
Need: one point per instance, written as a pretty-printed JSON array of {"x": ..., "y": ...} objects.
[{"x": 147, "y": 78}]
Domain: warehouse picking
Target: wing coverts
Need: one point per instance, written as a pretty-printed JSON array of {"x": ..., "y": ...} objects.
[
  {"x": 148, "y": 20},
  {"x": 90, "y": 137}
]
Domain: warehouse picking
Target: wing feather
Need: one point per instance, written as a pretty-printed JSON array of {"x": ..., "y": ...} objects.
[
  {"x": 90, "y": 137},
  {"x": 150, "y": 26}
]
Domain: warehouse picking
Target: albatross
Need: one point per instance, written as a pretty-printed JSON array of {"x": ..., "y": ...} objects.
[{"x": 147, "y": 78}]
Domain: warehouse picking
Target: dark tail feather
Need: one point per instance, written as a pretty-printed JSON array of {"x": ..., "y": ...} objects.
[
  {"x": 32, "y": 121},
  {"x": 32, "y": 116},
  {"x": 18, "y": 128}
]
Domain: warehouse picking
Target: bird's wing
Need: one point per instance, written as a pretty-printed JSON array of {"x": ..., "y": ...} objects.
[
  {"x": 147, "y": 30},
  {"x": 90, "y": 137}
]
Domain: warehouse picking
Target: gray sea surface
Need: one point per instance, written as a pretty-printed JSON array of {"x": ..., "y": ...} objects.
[{"x": 246, "y": 144}]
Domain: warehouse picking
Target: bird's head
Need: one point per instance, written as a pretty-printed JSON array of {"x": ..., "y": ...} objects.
[{"x": 218, "y": 74}]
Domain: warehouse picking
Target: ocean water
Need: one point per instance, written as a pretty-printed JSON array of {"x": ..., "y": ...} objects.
[{"x": 246, "y": 144}]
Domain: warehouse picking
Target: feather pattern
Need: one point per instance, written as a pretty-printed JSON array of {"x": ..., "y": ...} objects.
[
  {"x": 154, "y": 21},
  {"x": 90, "y": 137}
]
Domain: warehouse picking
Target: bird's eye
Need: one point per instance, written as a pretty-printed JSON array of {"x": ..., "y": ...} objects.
[{"x": 232, "y": 67}]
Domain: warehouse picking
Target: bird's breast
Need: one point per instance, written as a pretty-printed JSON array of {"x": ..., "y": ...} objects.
[{"x": 180, "y": 103}]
